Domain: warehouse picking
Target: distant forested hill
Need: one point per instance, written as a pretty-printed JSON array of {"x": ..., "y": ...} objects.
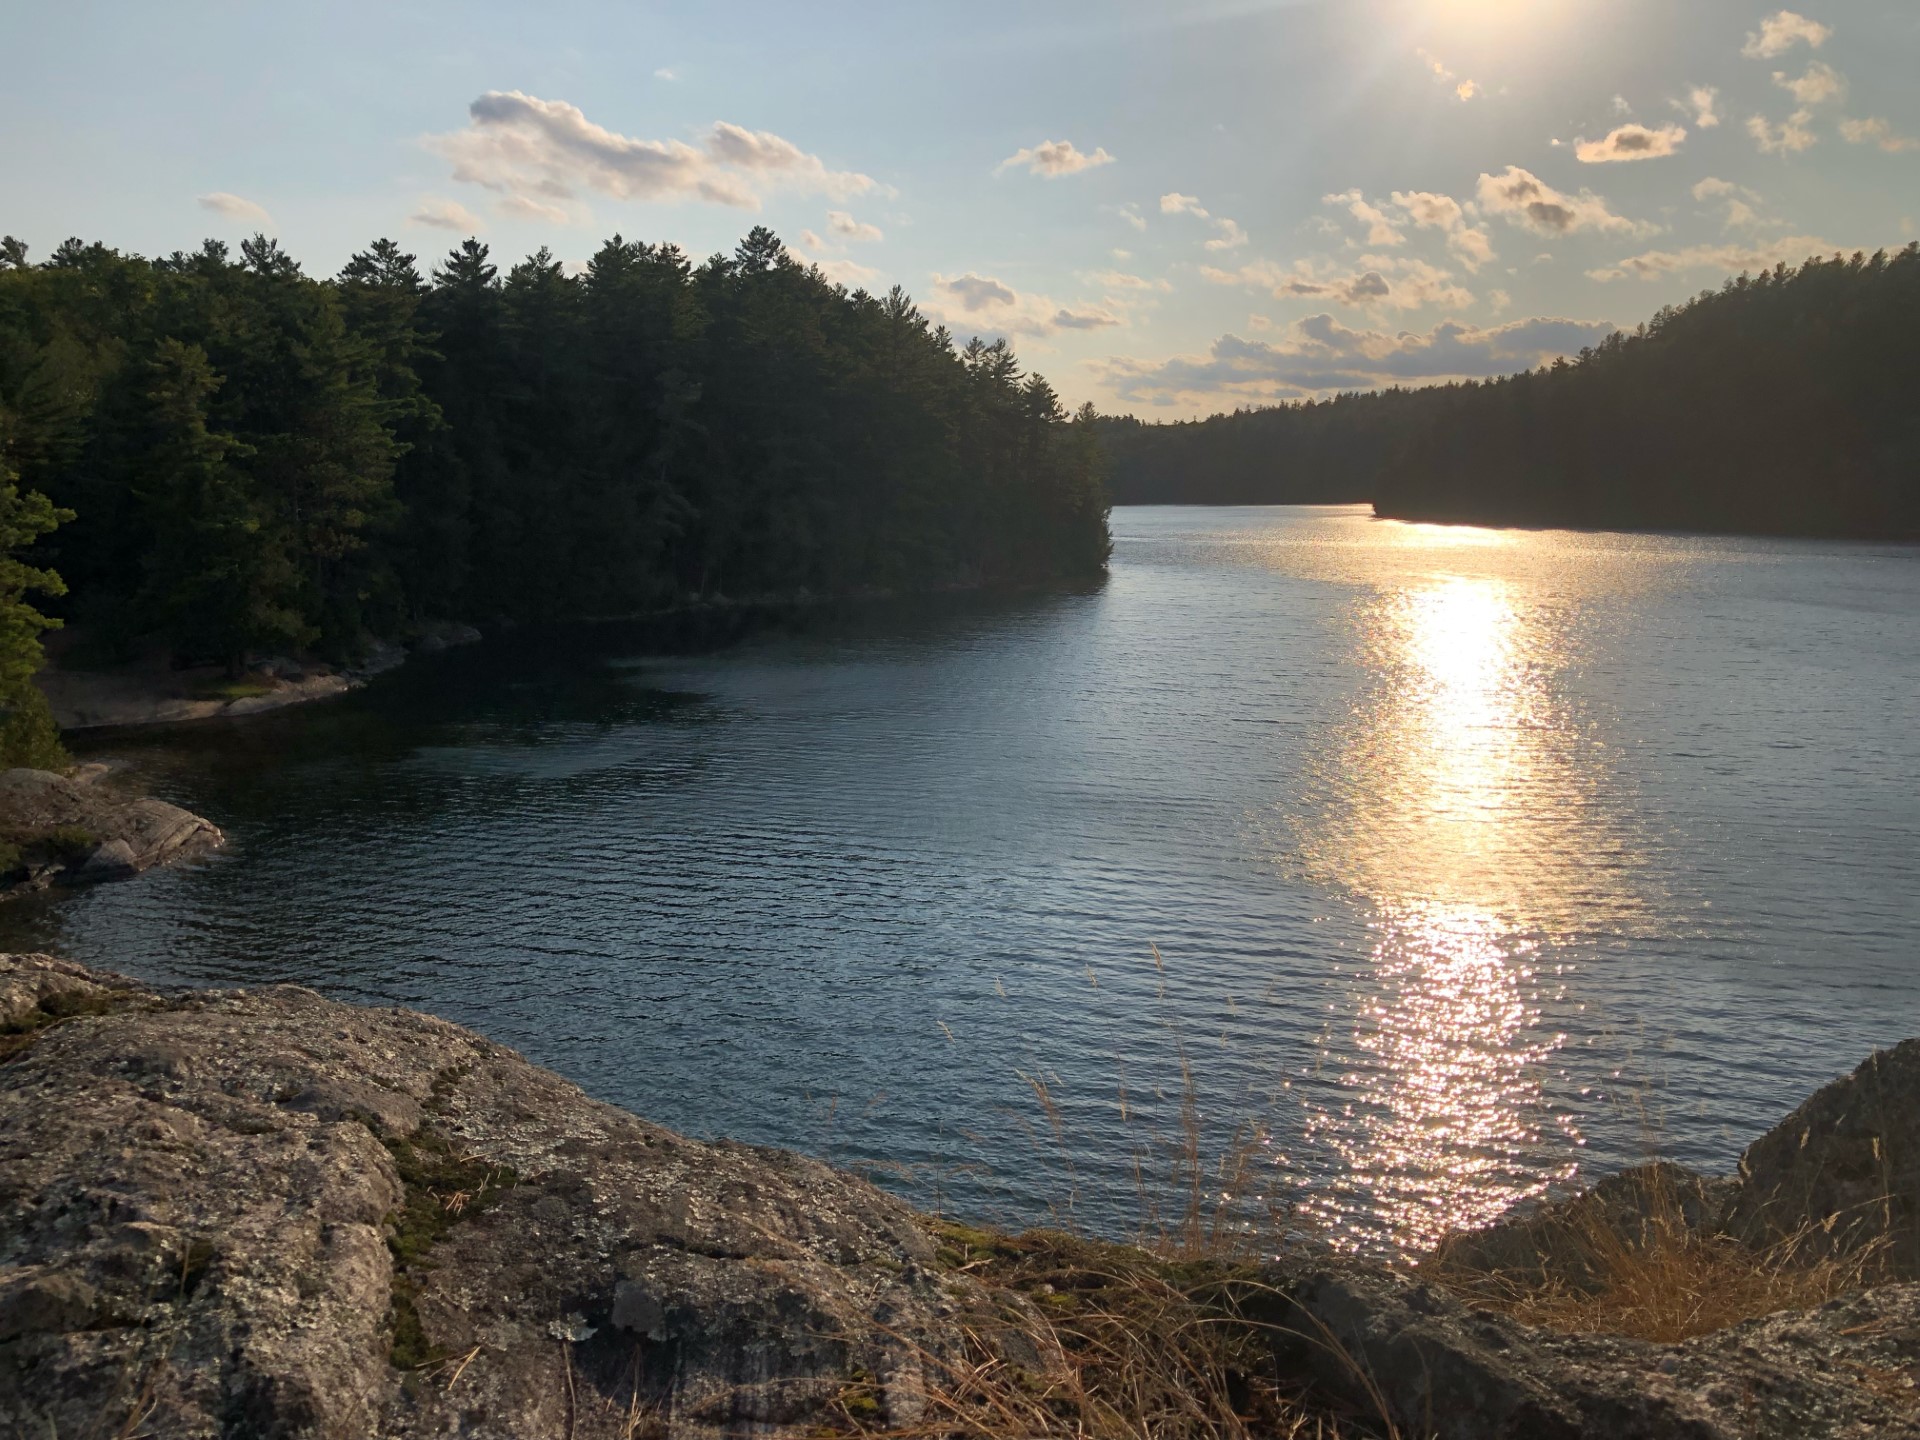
[
  {"x": 1784, "y": 403},
  {"x": 254, "y": 460},
  {"x": 1326, "y": 452}
]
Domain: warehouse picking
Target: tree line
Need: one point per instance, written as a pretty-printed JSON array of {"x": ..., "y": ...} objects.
[
  {"x": 1315, "y": 452},
  {"x": 1782, "y": 403},
  {"x": 223, "y": 454},
  {"x": 1785, "y": 403}
]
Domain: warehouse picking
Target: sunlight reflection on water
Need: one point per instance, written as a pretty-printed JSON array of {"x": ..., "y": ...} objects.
[{"x": 1455, "y": 793}]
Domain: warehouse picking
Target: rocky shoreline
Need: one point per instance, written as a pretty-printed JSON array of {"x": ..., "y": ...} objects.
[
  {"x": 151, "y": 692},
  {"x": 263, "y": 1213},
  {"x": 83, "y": 828}
]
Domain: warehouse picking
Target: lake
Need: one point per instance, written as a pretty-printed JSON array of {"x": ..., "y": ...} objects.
[{"x": 1417, "y": 868}]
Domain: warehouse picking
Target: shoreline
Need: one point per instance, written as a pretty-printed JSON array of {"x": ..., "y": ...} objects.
[
  {"x": 373, "y": 1221},
  {"x": 148, "y": 693}
]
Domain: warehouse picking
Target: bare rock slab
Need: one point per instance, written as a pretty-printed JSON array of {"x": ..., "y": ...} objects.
[{"x": 261, "y": 1213}]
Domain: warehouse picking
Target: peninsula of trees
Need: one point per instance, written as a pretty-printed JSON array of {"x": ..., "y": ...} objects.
[
  {"x": 225, "y": 454},
  {"x": 1785, "y": 403}
]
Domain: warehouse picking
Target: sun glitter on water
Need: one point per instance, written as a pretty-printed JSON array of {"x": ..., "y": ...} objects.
[{"x": 1454, "y": 816}]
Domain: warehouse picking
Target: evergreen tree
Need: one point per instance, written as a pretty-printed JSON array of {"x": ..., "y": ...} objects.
[{"x": 27, "y": 732}]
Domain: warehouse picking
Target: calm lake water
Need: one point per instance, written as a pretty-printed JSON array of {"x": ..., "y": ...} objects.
[{"x": 1473, "y": 860}]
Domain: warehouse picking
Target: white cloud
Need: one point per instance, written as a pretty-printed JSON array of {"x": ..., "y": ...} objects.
[
  {"x": 1318, "y": 356},
  {"x": 1703, "y": 104},
  {"x": 1231, "y": 236},
  {"x": 233, "y": 207},
  {"x": 1527, "y": 200},
  {"x": 524, "y": 207},
  {"x": 1631, "y": 142},
  {"x": 1471, "y": 246},
  {"x": 1120, "y": 280},
  {"x": 1727, "y": 259},
  {"x": 1780, "y": 33},
  {"x": 1381, "y": 230},
  {"x": 1131, "y": 214},
  {"x": 848, "y": 228},
  {"x": 849, "y": 273},
  {"x": 442, "y": 214},
  {"x": 1820, "y": 84},
  {"x": 1623, "y": 106},
  {"x": 1877, "y": 132},
  {"x": 547, "y": 150},
  {"x": 664, "y": 73},
  {"x": 1740, "y": 201},
  {"x": 1465, "y": 89},
  {"x": 1790, "y": 137},
  {"x": 973, "y": 304},
  {"x": 1227, "y": 233},
  {"x": 1054, "y": 158}
]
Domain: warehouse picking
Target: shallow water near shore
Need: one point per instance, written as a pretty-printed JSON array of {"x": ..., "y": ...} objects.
[{"x": 1473, "y": 860}]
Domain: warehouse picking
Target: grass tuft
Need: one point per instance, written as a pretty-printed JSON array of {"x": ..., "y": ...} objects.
[{"x": 1661, "y": 1273}]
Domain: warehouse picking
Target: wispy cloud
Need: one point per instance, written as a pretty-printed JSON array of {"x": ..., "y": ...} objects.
[
  {"x": 1631, "y": 142},
  {"x": 1227, "y": 233},
  {"x": 442, "y": 214},
  {"x": 1319, "y": 355},
  {"x": 1878, "y": 132},
  {"x": 1052, "y": 159},
  {"x": 848, "y": 228},
  {"x": 1726, "y": 259},
  {"x": 1381, "y": 230},
  {"x": 547, "y": 151},
  {"x": 1821, "y": 84},
  {"x": 1378, "y": 282},
  {"x": 1780, "y": 32},
  {"x": 1464, "y": 89},
  {"x": 1791, "y": 137},
  {"x": 234, "y": 207},
  {"x": 972, "y": 304},
  {"x": 1703, "y": 104}
]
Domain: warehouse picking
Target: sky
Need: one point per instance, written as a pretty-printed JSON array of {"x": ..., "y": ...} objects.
[{"x": 1170, "y": 209}]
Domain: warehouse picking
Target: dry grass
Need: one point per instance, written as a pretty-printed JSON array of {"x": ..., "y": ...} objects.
[
  {"x": 1119, "y": 1344},
  {"x": 1656, "y": 1274}
]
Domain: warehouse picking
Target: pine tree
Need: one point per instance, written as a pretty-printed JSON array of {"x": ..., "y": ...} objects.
[{"x": 28, "y": 735}]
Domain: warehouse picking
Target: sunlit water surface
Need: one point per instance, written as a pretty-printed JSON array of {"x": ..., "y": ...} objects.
[{"x": 1474, "y": 861}]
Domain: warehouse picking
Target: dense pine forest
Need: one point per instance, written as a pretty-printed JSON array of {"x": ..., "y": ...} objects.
[
  {"x": 1319, "y": 452},
  {"x": 223, "y": 454},
  {"x": 1783, "y": 403}
]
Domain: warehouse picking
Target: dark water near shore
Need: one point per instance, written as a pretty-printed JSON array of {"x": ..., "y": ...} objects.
[{"x": 1460, "y": 850}]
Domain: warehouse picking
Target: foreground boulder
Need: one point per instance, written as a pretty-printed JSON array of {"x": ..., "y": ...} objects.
[
  {"x": 259, "y": 1213},
  {"x": 80, "y": 828}
]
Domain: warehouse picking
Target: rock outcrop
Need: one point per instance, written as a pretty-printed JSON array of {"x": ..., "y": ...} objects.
[
  {"x": 64, "y": 829},
  {"x": 1844, "y": 1168},
  {"x": 265, "y": 1214},
  {"x": 260, "y": 1213},
  {"x": 1444, "y": 1370}
]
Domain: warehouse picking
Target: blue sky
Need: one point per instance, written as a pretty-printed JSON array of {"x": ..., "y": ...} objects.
[{"x": 1170, "y": 208}]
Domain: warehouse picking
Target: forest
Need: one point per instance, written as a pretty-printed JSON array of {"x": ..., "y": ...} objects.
[
  {"x": 224, "y": 455},
  {"x": 1317, "y": 452},
  {"x": 1782, "y": 403}
]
